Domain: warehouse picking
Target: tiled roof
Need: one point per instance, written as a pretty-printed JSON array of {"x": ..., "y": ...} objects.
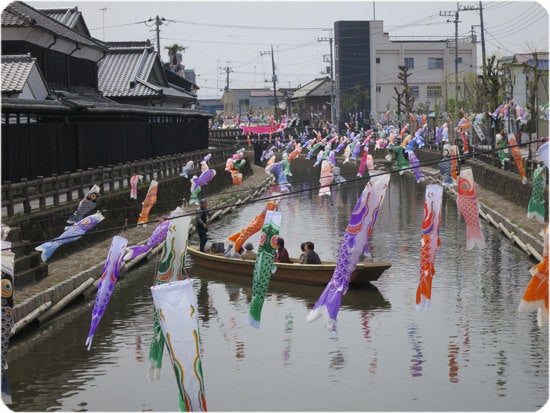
[
  {"x": 70, "y": 17},
  {"x": 317, "y": 87},
  {"x": 124, "y": 72},
  {"x": 15, "y": 72},
  {"x": 262, "y": 93},
  {"x": 19, "y": 14}
]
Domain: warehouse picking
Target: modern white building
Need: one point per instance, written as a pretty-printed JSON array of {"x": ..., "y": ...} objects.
[{"x": 365, "y": 54}]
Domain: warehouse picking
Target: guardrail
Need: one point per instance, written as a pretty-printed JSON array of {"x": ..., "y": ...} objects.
[{"x": 37, "y": 194}]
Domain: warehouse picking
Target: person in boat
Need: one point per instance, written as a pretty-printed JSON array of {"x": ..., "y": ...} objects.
[
  {"x": 311, "y": 255},
  {"x": 282, "y": 253},
  {"x": 248, "y": 253},
  {"x": 201, "y": 223},
  {"x": 302, "y": 258},
  {"x": 231, "y": 253}
]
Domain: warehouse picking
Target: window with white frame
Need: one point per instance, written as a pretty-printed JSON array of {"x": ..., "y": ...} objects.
[
  {"x": 415, "y": 91},
  {"x": 435, "y": 63},
  {"x": 434, "y": 91},
  {"x": 409, "y": 62}
]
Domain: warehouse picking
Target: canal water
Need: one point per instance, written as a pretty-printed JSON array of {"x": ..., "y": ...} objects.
[{"x": 471, "y": 351}]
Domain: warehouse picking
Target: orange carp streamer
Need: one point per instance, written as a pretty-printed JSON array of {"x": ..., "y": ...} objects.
[
  {"x": 239, "y": 238},
  {"x": 535, "y": 296},
  {"x": 518, "y": 159},
  {"x": 430, "y": 242},
  {"x": 150, "y": 200}
]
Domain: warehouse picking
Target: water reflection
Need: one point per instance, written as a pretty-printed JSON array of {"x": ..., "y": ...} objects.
[{"x": 470, "y": 351}]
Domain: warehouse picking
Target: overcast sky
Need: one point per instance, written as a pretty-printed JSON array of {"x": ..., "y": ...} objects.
[{"x": 239, "y": 34}]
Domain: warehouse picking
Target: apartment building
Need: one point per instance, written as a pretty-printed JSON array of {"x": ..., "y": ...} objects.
[{"x": 366, "y": 57}]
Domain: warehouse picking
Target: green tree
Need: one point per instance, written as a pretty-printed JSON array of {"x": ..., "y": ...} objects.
[
  {"x": 354, "y": 100},
  {"x": 172, "y": 50}
]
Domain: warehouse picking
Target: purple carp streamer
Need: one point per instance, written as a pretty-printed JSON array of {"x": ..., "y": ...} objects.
[
  {"x": 158, "y": 235},
  {"x": 467, "y": 204},
  {"x": 72, "y": 233},
  {"x": 277, "y": 169},
  {"x": 170, "y": 268},
  {"x": 176, "y": 309},
  {"x": 353, "y": 245},
  {"x": 265, "y": 265},
  {"x": 8, "y": 259},
  {"x": 107, "y": 283},
  {"x": 430, "y": 241}
]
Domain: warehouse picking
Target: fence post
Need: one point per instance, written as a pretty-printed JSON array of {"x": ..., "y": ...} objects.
[
  {"x": 69, "y": 186},
  {"x": 80, "y": 183},
  {"x": 56, "y": 190},
  {"x": 26, "y": 200},
  {"x": 42, "y": 199}
]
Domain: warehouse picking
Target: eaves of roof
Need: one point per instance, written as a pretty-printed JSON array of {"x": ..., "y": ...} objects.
[
  {"x": 19, "y": 14},
  {"x": 10, "y": 105}
]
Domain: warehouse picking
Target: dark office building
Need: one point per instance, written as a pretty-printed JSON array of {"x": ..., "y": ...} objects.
[{"x": 352, "y": 65}]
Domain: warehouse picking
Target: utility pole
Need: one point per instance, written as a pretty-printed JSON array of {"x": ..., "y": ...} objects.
[
  {"x": 227, "y": 70},
  {"x": 332, "y": 108},
  {"x": 274, "y": 79},
  {"x": 158, "y": 21},
  {"x": 483, "y": 54}
]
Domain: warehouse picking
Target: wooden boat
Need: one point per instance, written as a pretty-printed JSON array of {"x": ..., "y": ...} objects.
[{"x": 364, "y": 273}]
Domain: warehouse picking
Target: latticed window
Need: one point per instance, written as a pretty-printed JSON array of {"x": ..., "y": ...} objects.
[
  {"x": 435, "y": 63},
  {"x": 434, "y": 91}
]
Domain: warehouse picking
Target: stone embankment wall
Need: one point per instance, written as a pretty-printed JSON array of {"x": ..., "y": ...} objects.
[
  {"x": 504, "y": 183},
  {"x": 119, "y": 210}
]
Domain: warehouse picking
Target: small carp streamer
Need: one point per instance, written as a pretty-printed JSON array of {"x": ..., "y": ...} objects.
[
  {"x": 277, "y": 169},
  {"x": 134, "y": 180},
  {"x": 204, "y": 178},
  {"x": 429, "y": 243},
  {"x": 170, "y": 268},
  {"x": 326, "y": 178},
  {"x": 177, "y": 313},
  {"x": 468, "y": 206},
  {"x": 518, "y": 159},
  {"x": 535, "y": 297},
  {"x": 264, "y": 266},
  {"x": 147, "y": 204},
  {"x": 186, "y": 170},
  {"x": 107, "y": 283},
  {"x": 8, "y": 259},
  {"x": 239, "y": 238},
  {"x": 72, "y": 233},
  {"x": 353, "y": 246},
  {"x": 158, "y": 235},
  {"x": 535, "y": 208},
  {"x": 85, "y": 207}
]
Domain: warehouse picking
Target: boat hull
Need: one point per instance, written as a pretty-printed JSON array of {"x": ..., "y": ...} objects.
[{"x": 312, "y": 274}]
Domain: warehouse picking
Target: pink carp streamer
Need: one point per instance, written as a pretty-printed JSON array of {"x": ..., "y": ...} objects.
[
  {"x": 535, "y": 297},
  {"x": 71, "y": 233},
  {"x": 134, "y": 180},
  {"x": 147, "y": 204},
  {"x": 518, "y": 159},
  {"x": 429, "y": 243},
  {"x": 107, "y": 283},
  {"x": 171, "y": 267},
  {"x": 468, "y": 206},
  {"x": 239, "y": 238},
  {"x": 326, "y": 178},
  {"x": 177, "y": 313},
  {"x": 353, "y": 245}
]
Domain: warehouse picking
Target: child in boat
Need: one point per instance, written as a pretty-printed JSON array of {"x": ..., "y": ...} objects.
[{"x": 248, "y": 253}]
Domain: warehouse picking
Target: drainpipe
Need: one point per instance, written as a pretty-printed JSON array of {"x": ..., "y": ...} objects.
[
  {"x": 44, "y": 60},
  {"x": 77, "y": 47}
]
